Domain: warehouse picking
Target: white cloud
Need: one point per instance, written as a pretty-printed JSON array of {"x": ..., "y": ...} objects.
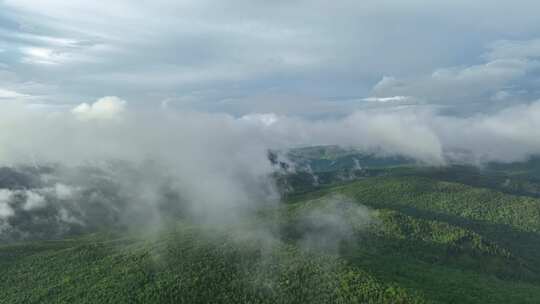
[
  {"x": 33, "y": 201},
  {"x": 9, "y": 94},
  {"x": 5, "y": 209},
  {"x": 266, "y": 119},
  {"x": 387, "y": 99},
  {"x": 110, "y": 107},
  {"x": 40, "y": 55},
  {"x": 63, "y": 191},
  {"x": 419, "y": 133},
  {"x": 508, "y": 135},
  {"x": 194, "y": 152},
  {"x": 509, "y": 67}
]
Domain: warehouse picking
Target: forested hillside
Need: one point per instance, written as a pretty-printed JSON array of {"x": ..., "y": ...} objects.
[{"x": 385, "y": 239}]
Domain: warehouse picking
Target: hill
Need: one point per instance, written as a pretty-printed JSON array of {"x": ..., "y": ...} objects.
[{"x": 396, "y": 234}]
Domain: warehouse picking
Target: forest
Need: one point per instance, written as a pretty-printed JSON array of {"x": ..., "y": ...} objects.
[{"x": 388, "y": 233}]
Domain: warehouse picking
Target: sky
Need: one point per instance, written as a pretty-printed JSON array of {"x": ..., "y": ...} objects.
[{"x": 302, "y": 58}]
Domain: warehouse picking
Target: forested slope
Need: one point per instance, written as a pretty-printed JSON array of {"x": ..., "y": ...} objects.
[{"x": 386, "y": 239}]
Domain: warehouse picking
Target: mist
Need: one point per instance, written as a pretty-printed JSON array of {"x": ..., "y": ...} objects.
[
  {"x": 104, "y": 164},
  {"x": 332, "y": 221}
]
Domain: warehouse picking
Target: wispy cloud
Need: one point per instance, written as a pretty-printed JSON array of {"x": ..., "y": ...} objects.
[
  {"x": 11, "y": 95},
  {"x": 387, "y": 99}
]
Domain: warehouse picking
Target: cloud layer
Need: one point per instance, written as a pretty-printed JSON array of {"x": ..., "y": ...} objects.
[
  {"x": 107, "y": 129},
  {"x": 235, "y": 57},
  {"x": 103, "y": 163}
]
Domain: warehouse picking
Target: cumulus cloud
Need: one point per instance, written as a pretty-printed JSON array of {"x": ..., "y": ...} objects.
[{"x": 109, "y": 107}]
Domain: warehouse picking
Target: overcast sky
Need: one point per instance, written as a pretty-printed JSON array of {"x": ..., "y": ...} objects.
[{"x": 287, "y": 57}]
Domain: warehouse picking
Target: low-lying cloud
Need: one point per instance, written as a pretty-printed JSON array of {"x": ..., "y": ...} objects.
[
  {"x": 329, "y": 222},
  {"x": 104, "y": 163}
]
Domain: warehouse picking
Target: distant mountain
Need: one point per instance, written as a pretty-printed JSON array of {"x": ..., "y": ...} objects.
[{"x": 332, "y": 158}]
